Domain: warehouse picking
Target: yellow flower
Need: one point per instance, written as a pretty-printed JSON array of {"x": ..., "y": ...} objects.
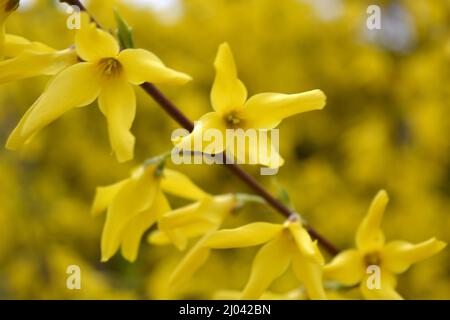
[
  {"x": 349, "y": 267},
  {"x": 135, "y": 204},
  {"x": 201, "y": 218},
  {"x": 106, "y": 73},
  {"x": 285, "y": 245},
  {"x": 232, "y": 110},
  {"x": 194, "y": 220},
  {"x": 28, "y": 59}
]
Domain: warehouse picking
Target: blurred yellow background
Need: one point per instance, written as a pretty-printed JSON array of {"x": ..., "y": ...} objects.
[{"x": 386, "y": 125}]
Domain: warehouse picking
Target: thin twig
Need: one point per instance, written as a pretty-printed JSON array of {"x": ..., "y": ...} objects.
[{"x": 176, "y": 114}]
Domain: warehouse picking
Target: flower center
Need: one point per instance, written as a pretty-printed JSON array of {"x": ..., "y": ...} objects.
[
  {"x": 232, "y": 120},
  {"x": 110, "y": 67},
  {"x": 372, "y": 258}
]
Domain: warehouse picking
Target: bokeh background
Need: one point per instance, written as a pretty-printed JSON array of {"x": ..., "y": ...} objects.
[{"x": 386, "y": 125}]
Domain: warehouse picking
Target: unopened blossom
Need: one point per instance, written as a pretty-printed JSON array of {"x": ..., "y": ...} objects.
[
  {"x": 200, "y": 219},
  {"x": 350, "y": 266},
  {"x": 105, "y": 73},
  {"x": 134, "y": 204},
  {"x": 193, "y": 220},
  {"x": 232, "y": 110},
  {"x": 285, "y": 245}
]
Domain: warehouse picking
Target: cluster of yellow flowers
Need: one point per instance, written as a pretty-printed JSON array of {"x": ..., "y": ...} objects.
[{"x": 96, "y": 67}]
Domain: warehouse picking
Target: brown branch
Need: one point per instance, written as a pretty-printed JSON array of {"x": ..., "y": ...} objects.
[
  {"x": 179, "y": 117},
  {"x": 176, "y": 114}
]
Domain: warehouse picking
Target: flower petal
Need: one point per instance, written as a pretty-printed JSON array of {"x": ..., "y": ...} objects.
[
  {"x": 104, "y": 196},
  {"x": 249, "y": 235},
  {"x": 30, "y": 64},
  {"x": 310, "y": 274},
  {"x": 92, "y": 43},
  {"x": 386, "y": 290},
  {"x": 189, "y": 231},
  {"x": 369, "y": 235},
  {"x": 143, "y": 66},
  {"x": 139, "y": 224},
  {"x": 180, "y": 185},
  {"x": 195, "y": 141},
  {"x": 15, "y": 45},
  {"x": 347, "y": 268},
  {"x": 181, "y": 217},
  {"x": 304, "y": 243},
  {"x": 75, "y": 86},
  {"x": 135, "y": 196},
  {"x": 270, "y": 262},
  {"x": 228, "y": 92},
  {"x": 117, "y": 102},
  {"x": 398, "y": 256},
  {"x": 267, "y": 110},
  {"x": 190, "y": 263}
]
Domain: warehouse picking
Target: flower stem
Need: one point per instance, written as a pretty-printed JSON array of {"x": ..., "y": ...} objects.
[{"x": 186, "y": 123}]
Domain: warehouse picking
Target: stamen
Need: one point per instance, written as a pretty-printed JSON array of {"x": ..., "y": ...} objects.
[
  {"x": 110, "y": 67},
  {"x": 232, "y": 119},
  {"x": 372, "y": 258}
]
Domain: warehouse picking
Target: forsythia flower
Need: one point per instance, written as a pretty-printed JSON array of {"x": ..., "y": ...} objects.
[
  {"x": 106, "y": 73},
  {"x": 232, "y": 110},
  {"x": 285, "y": 244},
  {"x": 135, "y": 204},
  {"x": 193, "y": 220},
  {"x": 28, "y": 59},
  {"x": 202, "y": 218},
  {"x": 349, "y": 267}
]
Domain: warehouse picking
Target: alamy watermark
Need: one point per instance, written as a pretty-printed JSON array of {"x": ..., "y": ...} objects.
[
  {"x": 73, "y": 281},
  {"x": 251, "y": 146},
  {"x": 373, "y": 21},
  {"x": 373, "y": 281},
  {"x": 73, "y": 22}
]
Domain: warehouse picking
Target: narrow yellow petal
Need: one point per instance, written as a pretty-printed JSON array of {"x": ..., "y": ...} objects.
[
  {"x": 347, "y": 268},
  {"x": 304, "y": 243},
  {"x": 198, "y": 140},
  {"x": 191, "y": 262},
  {"x": 93, "y": 44},
  {"x": 369, "y": 235},
  {"x": 228, "y": 92},
  {"x": 143, "y": 66},
  {"x": 310, "y": 274},
  {"x": 177, "y": 238},
  {"x": 30, "y": 64},
  {"x": 270, "y": 262},
  {"x": 249, "y": 235},
  {"x": 181, "y": 217},
  {"x": 386, "y": 290},
  {"x": 104, "y": 196},
  {"x": 15, "y": 45},
  {"x": 398, "y": 256},
  {"x": 16, "y": 139},
  {"x": 135, "y": 196},
  {"x": 189, "y": 231},
  {"x": 75, "y": 86},
  {"x": 267, "y": 110},
  {"x": 208, "y": 209},
  {"x": 139, "y": 224},
  {"x": 117, "y": 102},
  {"x": 180, "y": 185}
]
